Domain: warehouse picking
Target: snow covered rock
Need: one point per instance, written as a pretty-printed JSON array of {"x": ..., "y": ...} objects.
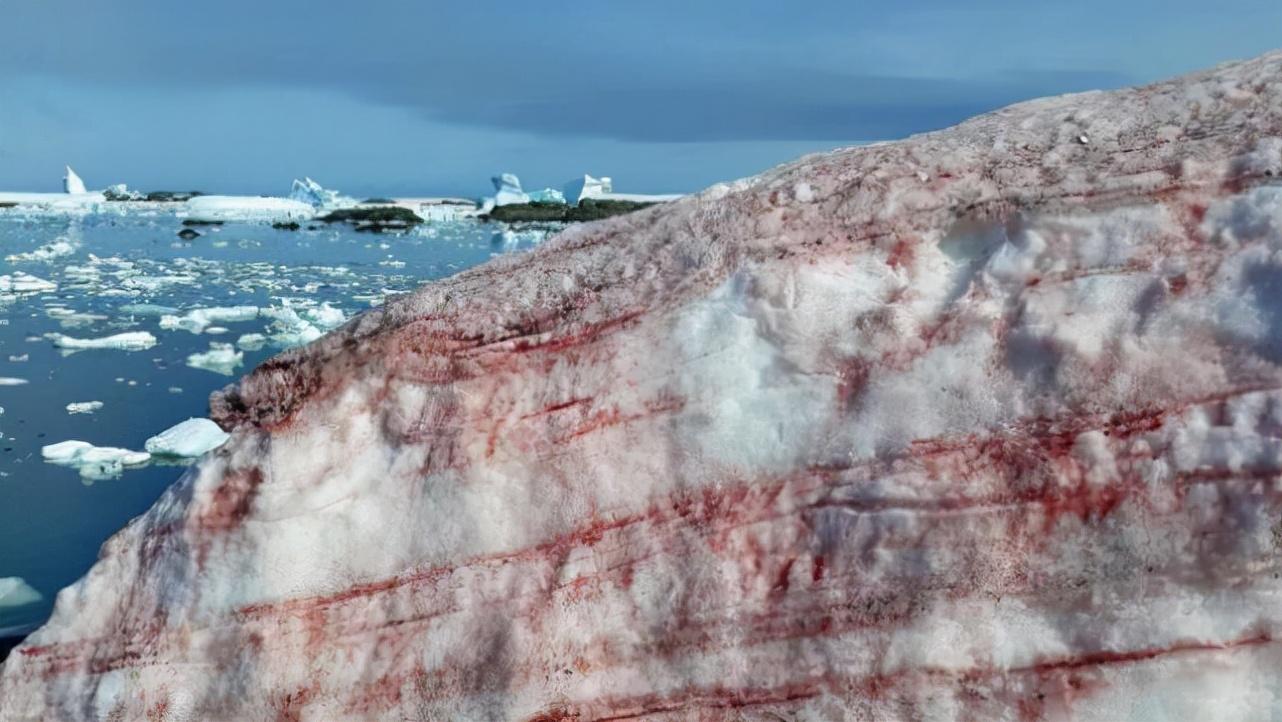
[
  {"x": 981, "y": 425},
  {"x": 71, "y": 182},
  {"x": 188, "y": 439}
]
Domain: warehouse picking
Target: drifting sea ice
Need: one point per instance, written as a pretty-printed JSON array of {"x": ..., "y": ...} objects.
[
  {"x": 221, "y": 358},
  {"x": 83, "y": 407},
  {"x": 93, "y": 462},
  {"x": 54, "y": 249},
  {"x": 198, "y": 320},
  {"x": 188, "y": 439},
  {"x": 128, "y": 341},
  {"x": 23, "y": 283}
]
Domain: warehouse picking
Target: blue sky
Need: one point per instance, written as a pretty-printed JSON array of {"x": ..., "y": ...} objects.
[{"x": 408, "y": 97}]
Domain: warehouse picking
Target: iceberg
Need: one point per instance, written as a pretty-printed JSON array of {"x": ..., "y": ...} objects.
[
  {"x": 587, "y": 187},
  {"x": 313, "y": 194},
  {"x": 93, "y": 462},
  {"x": 15, "y": 592},
  {"x": 71, "y": 183},
  {"x": 83, "y": 407},
  {"x": 212, "y": 209},
  {"x": 127, "y": 341},
  {"x": 507, "y": 190},
  {"x": 189, "y": 439}
]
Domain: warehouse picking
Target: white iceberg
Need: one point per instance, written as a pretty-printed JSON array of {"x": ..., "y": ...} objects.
[
  {"x": 188, "y": 439},
  {"x": 246, "y": 208},
  {"x": 507, "y": 190},
  {"x": 93, "y": 462},
  {"x": 317, "y": 196},
  {"x": 198, "y": 320},
  {"x": 128, "y": 341},
  {"x": 15, "y": 592},
  {"x": 71, "y": 182},
  {"x": 587, "y": 187},
  {"x": 221, "y": 358},
  {"x": 251, "y": 341},
  {"x": 83, "y": 407}
]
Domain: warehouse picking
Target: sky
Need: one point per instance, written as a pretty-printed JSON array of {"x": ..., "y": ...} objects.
[{"x": 414, "y": 97}]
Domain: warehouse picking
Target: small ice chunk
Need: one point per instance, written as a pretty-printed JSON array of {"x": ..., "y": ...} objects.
[
  {"x": 93, "y": 462},
  {"x": 21, "y": 283},
  {"x": 188, "y": 439},
  {"x": 128, "y": 341},
  {"x": 251, "y": 341},
  {"x": 221, "y": 358},
  {"x": 15, "y": 592},
  {"x": 83, "y": 407},
  {"x": 11, "y": 381}
]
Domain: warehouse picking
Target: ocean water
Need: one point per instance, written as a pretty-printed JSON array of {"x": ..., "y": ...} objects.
[{"x": 112, "y": 272}]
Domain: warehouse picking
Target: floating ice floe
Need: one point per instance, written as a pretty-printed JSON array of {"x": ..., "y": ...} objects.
[
  {"x": 15, "y": 592},
  {"x": 147, "y": 309},
  {"x": 11, "y": 381},
  {"x": 54, "y": 249},
  {"x": 24, "y": 283},
  {"x": 128, "y": 341},
  {"x": 251, "y": 341},
  {"x": 188, "y": 439},
  {"x": 71, "y": 182},
  {"x": 93, "y": 462},
  {"x": 298, "y": 326},
  {"x": 83, "y": 407},
  {"x": 198, "y": 320},
  {"x": 221, "y": 358}
]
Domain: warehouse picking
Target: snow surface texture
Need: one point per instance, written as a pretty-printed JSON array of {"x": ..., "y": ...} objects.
[{"x": 983, "y": 425}]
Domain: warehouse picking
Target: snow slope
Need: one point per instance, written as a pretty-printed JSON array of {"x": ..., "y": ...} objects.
[{"x": 984, "y": 424}]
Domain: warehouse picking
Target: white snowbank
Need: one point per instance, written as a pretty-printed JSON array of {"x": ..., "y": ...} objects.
[
  {"x": 221, "y": 358},
  {"x": 188, "y": 439},
  {"x": 128, "y": 341},
  {"x": 93, "y": 462},
  {"x": 83, "y": 407},
  {"x": 15, "y": 592}
]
